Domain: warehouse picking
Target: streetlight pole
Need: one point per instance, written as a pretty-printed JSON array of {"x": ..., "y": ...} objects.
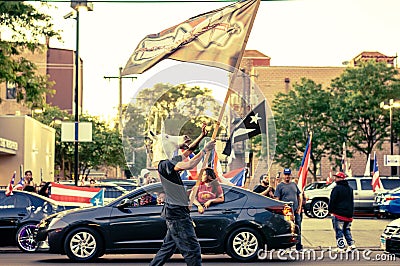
[
  {"x": 392, "y": 104},
  {"x": 77, "y": 6}
]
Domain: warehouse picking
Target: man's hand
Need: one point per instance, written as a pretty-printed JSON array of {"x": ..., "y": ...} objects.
[
  {"x": 204, "y": 132},
  {"x": 209, "y": 146}
]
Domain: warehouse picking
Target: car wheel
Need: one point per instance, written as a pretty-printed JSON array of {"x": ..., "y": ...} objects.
[
  {"x": 26, "y": 238},
  {"x": 83, "y": 244},
  {"x": 243, "y": 244},
  {"x": 319, "y": 209}
]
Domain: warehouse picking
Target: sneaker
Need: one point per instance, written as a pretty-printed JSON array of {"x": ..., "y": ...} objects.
[
  {"x": 338, "y": 250},
  {"x": 352, "y": 247}
]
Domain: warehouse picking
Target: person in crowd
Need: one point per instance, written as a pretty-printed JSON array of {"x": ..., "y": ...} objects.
[
  {"x": 146, "y": 176},
  {"x": 209, "y": 191},
  {"x": 264, "y": 188},
  {"x": 92, "y": 182},
  {"x": 29, "y": 185},
  {"x": 180, "y": 228},
  {"x": 45, "y": 189},
  {"x": 160, "y": 198},
  {"x": 288, "y": 191},
  {"x": 341, "y": 206}
]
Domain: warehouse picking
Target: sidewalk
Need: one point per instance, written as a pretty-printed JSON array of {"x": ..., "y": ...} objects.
[{"x": 319, "y": 234}]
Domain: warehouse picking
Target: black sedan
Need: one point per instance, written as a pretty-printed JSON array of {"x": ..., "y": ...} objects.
[
  {"x": 19, "y": 215},
  {"x": 245, "y": 223}
]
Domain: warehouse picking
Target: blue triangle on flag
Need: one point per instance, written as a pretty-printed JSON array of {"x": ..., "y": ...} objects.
[{"x": 98, "y": 199}]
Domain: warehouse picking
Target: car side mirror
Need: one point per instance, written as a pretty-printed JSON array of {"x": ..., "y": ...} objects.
[{"x": 123, "y": 203}]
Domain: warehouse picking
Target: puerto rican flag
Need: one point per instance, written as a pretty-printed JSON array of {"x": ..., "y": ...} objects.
[
  {"x": 20, "y": 185},
  {"x": 303, "y": 171},
  {"x": 10, "y": 186},
  {"x": 78, "y": 195},
  {"x": 376, "y": 180},
  {"x": 235, "y": 177}
]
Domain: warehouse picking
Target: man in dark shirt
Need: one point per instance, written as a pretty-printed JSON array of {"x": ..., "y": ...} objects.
[
  {"x": 341, "y": 206},
  {"x": 264, "y": 188},
  {"x": 180, "y": 227}
]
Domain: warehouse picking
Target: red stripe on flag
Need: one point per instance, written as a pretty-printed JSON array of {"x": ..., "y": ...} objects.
[{"x": 67, "y": 198}]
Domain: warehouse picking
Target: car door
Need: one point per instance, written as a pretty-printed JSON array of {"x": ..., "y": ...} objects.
[
  {"x": 365, "y": 195},
  {"x": 12, "y": 209},
  {"x": 212, "y": 224},
  {"x": 137, "y": 226}
]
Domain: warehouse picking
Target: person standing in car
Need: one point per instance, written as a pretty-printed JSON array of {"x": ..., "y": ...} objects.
[{"x": 341, "y": 206}]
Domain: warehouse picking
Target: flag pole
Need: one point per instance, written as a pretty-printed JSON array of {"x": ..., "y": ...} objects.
[{"x": 221, "y": 113}]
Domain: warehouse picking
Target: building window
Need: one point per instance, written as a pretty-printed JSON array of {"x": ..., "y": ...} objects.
[{"x": 11, "y": 92}]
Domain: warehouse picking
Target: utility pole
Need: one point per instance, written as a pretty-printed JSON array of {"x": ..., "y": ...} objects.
[{"x": 120, "y": 77}]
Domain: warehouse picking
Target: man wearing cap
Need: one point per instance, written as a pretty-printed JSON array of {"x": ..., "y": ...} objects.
[
  {"x": 289, "y": 192},
  {"x": 180, "y": 227},
  {"x": 341, "y": 206}
]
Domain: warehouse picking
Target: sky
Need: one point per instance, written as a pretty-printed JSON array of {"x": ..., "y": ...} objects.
[{"x": 292, "y": 33}]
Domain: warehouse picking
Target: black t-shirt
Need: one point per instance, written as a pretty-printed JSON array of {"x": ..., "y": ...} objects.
[
  {"x": 176, "y": 198},
  {"x": 261, "y": 188}
]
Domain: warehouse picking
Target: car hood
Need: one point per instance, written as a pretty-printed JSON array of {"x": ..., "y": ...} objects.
[
  {"x": 317, "y": 192},
  {"x": 395, "y": 223}
]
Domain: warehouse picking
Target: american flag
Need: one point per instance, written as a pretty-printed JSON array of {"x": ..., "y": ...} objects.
[
  {"x": 10, "y": 186},
  {"x": 376, "y": 180}
]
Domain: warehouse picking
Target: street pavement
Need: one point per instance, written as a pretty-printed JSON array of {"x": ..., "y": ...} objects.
[{"x": 319, "y": 234}]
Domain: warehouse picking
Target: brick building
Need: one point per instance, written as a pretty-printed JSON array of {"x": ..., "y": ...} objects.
[{"x": 274, "y": 79}]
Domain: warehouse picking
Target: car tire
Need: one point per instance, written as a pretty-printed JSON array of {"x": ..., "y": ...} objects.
[
  {"x": 319, "y": 209},
  {"x": 25, "y": 238},
  {"x": 243, "y": 244},
  {"x": 83, "y": 244}
]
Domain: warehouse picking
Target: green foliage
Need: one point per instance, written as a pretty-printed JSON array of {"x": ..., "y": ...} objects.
[
  {"x": 29, "y": 29},
  {"x": 355, "y": 109},
  {"x": 104, "y": 150},
  {"x": 297, "y": 114},
  {"x": 181, "y": 108}
]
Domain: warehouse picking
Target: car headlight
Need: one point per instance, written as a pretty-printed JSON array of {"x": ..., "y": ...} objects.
[{"x": 57, "y": 222}]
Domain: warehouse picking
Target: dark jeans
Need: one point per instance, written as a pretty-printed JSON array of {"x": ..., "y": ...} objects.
[
  {"x": 297, "y": 220},
  {"x": 181, "y": 235},
  {"x": 342, "y": 231}
]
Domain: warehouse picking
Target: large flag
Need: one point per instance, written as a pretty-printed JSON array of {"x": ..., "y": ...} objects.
[
  {"x": 376, "y": 180},
  {"x": 77, "y": 195},
  {"x": 305, "y": 163},
  {"x": 10, "y": 186},
  {"x": 215, "y": 38},
  {"x": 252, "y": 125}
]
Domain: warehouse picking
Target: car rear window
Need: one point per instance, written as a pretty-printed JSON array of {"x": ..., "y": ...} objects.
[
  {"x": 352, "y": 184},
  {"x": 366, "y": 184}
]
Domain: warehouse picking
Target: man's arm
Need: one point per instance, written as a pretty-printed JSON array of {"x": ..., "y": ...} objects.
[{"x": 193, "y": 146}]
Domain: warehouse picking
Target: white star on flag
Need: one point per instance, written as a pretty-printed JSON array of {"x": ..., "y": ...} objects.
[{"x": 255, "y": 118}]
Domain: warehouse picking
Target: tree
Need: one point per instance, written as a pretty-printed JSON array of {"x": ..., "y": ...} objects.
[
  {"x": 181, "y": 108},
  {"x": 355, "y": 109},
  {"x": 29, "y": 28},
  {"x": 104, "y": 150},
  {"x": 297, "y": 114}
]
